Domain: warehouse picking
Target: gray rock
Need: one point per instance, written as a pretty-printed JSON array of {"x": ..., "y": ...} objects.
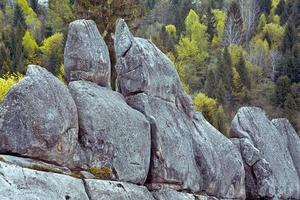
[
  {"x": 154, "y": 74},
  {"x": 38, "y": 118},
  {"x": 186, "y": 153},
  {"x": 291, "y": 139},
  {"x": 86, "y": 54},
  {"x": 113, "y": 137},
  {"x": 172, "y": 194},
  {"x": 26, "y": 184},
  {"x": 34, "y": 164},
  {"x": 104, "y": 190},
  {"x": 273, "y": 173}
]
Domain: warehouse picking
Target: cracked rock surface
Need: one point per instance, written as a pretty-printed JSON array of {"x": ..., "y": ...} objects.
[{"x": 268, "y": 154}]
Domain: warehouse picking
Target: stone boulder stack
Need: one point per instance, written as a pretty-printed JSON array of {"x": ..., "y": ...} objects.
[
  {"x": 38, "y": 118},
  {"x": 114, "y": 139},
  {"x": 268, "y": 154},
  {"x": 186, "y": 153},
  {"x": 86, "y": 55}
]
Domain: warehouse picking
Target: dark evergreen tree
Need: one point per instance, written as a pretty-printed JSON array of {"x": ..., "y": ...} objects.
[
  {"x": 290, "y": 36},
  {"x": 233, "y": 30},
  {"x": 211, "y": 24},
  {"x": 242, "y": 70},
  {"x": 18, "y": 18},
  {"x": 53, "y": 63},
  {"x": 265, "y": 6},
  {"x": 280, "y": 7},
  {"x": 290, "y": 104},
  {"x": 282, "y": 89},
  {"x": 220, "y": 121},
  {"x": 221, "y": 93},
  {"x": 210, "y": 84},
  {"x": 34, "y": 4}
]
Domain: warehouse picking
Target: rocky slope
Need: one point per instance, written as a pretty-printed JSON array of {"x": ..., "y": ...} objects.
[{"x": 145, "y": 141}]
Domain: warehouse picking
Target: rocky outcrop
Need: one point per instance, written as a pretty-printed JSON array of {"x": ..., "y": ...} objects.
[
  {"x": 27, "y": 184},
  {"x": 150, "y": 84},
  {"x": 291, "y": 140},
  {"x": 85, "y": 141},
  {"x": 86, "y": 54},
  {"x": 269, "y": 166},
  {"x": 38, "y": 118},
  {"x": 112, "y": 135}
]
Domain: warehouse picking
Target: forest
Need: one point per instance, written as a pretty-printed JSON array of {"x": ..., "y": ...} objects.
[{"x": 228, "y": 53}]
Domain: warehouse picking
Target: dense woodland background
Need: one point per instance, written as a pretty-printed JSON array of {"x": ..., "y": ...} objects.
[{"x": 228, "y": 53}]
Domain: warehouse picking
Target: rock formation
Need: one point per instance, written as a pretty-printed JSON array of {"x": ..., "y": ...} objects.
[
  {"x": 86, "y": 54},
  {"x": 38, "y": 118},
  {"x": 267, "y": 154},
  {"x": 150, "y": 84},
  {"x": 112, "y": 135},
  {"x": 145, "y": 140}
]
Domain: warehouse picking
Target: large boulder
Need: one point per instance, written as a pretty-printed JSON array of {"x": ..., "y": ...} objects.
[
  {"x": 27, "y": 184},
  {"x": 114, "y": 139},
  {"x": 86, "y": 54},
  {"x": 174, "y": 195},
  {"x": 291, "y": 139},
  {"x": 38, "y": 118},
  {"x": 269, "y": 166},
  {"x": 184, "y": 156}
]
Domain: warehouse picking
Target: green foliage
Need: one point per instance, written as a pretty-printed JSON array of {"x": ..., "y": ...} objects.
[
  {"x": 220, "y": 21},
  {"x": 242, "y": 70},
  {"x": 7, "y": 82},
  {"x": 220, "y": 121},
  {"x": 273, "y": 34},
  {"x": 29, "y": 44},
  {"x": 171, "y": 29},
  {"x": 283, "y": 88},
  {"x": 192, "y": 50},
  {"x": 31, "y": 19},
  {"x": 101, "y": 173},
  {"x": 206, "y": 105}
]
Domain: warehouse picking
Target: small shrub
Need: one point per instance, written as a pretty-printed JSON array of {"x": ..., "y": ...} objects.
[
  {"x": 7, "y": 82},
  {"x": 101, "y": 173}
]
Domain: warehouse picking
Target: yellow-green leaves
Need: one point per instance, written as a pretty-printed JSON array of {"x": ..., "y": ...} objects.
[
  {"x": 54, "y": 42},
  {"x": 171, "y": 29},
  {"x": 29, "y": 44},
  {"x": 31, "y": 19},
  {"x": 205, "y": 105},
  {"x": 220, "y": 21},
  {"x": 7, "y": 82}
]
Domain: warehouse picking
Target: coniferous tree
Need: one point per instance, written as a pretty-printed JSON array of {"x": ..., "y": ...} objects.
[
  {"x": 211, "y": 25},
  {"x": 34, "y": 4},
  {"x": 210, "y": 84},
  {"x": 265, "y": 6},
  {"x": 282, "y": 89},
  {"x": 290, "y": 103},
  {"x": 290, "y": 36},
  {"x": 242, "y": 70},
  {"x": 233, "y": 31},
  {"x": 280, "y": 7},
  {"x": 220, "y": 120},
  {"x": 221, "y": 93},
  {"x": 53, "y": 64}
]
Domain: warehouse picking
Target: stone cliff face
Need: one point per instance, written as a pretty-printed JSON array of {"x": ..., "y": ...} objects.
[{"x": 145, "y": 141}]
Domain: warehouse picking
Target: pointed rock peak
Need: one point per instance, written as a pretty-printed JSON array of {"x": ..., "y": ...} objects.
[
  {"x": 35, "y": 70},
  {"x": 123, "y": 38}
]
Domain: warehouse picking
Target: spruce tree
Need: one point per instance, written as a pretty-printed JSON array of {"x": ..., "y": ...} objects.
[
  {"x": 210, "y": 84},
  {"x": 242, "y": 70},
  {"x": 219, "y": 121},
  {"x": 290, "y": 36},
  {"x": 265, "y": 6},
  {"x": 53, "y": 64},
  {"x": 233, "y": 31},
  {"x": 211, "y": 25},
  {"x": 290, "y": 103},
  {"x": 282, "y": 89},
  {"x": 221, "y": 93},
  {"x": 280, "y": 7}
]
